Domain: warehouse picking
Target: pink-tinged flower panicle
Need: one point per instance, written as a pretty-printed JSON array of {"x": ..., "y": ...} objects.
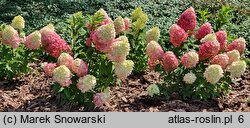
[
  {"x": 209, "y": 37},
  {"x": 237, "y": 68},
  {"x": 177, "y": 35},
  {"x": 52, "y": 42},
  {"x": 153, "y": 34},
  {"x": 33, "y": 41},
  {"x": 62, "y": 75},
  {"x": 233, "y": 55},
  {"x": 10, "y": 37},
  {"x": 220, "y": 59},
  {"x": 86, "y": 83},
  {"x": 123, "y": 69},
  {"x": 208, "y": 50},
  {"x": 104, "y": 37},
  {"x": 18, "y": 22},
  {"x": 170, "y": 62},
  {"x": 106, "y": 20},
  {"x": 101, "y": 98},
  {"x": 213, "y": 73},
  {"x": 119, "y": 50},
  {"x": 152, "y": 63},
  {"x": 48, "y": 68},
  {"x": 187, "y": 20},
  {"x": 190, "y": 59},
  {"x": 119, "y": 25},
  {"x": 189, "y": 78},
  {"x": 65, "y": 59},
  {"x": 222, "y": 39},
  {"x": 127, "y": 23},
  {"x": 154, "y": 51},
  {"x": 203, "y": 30},
  {"x": 79, "y": 67},
  {"x": 238, "y": 44}
]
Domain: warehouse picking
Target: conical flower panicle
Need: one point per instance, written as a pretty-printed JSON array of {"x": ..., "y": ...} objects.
[
  {"x": 119, "y": 49},
  {"x": 213, "y": 73},
  {"x": 153, "y": 34},
  {"x": 119, "y": 25},
  {"x": 189, "y": 78},
  {"x": 10, "y": 37},
  {"x": 238, "y": 44},
  {"x": 18, "y": 22},
  {"x": 208, "y": 50},
  {"x": 86, "y": 83},
  {"x": 62, "y": 75},
  {"x": 48, "y": 68},
  {"x": 123, "y": 69},
  {"x": 170, "y": 61},
  {"x": 79, "y": 67},
  {"x": 33, "y": 41},
  {"x": 153, "y": 89},
  {"x": 65, "y": 59},
  {"x": 203, "y": 30},
  {"x": 154, "y": 51},
  {"x": 52, "y": 42},
  {"x": 220, "y": 59},
  {"x": 222, "y": 39},
  {"x": 237, "y": 68},
  {"x": 233, "y": 55},
  {"x": 177, "y": 35},
  {"x": 190, "y": 59},
  {"x": 104, "y": 37},
  {"x": 187, "y": 20}
]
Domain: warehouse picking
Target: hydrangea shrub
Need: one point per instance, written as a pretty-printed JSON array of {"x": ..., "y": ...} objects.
[{"x": 201, "y": 63}]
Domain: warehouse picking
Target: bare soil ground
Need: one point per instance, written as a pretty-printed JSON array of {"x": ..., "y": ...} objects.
[{"x": 32, "y": 92}]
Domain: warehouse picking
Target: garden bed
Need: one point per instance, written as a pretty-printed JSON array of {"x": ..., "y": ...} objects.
[{"x": 33, "y": 92}]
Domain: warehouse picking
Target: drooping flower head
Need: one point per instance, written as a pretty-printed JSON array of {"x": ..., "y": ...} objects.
[
  {"x": 237, "y": 68},
  {"x": 119, "y": 25},
  {"x": 86, "y": 83},
  {"x": 65, "y": 59},
  {"x": 119, "y": 49},
  {"x": 79, "y": 67},
  {"x": 177, "y": 35},
  {"x": 220, "y": 59},
  {"x": 238, "y": 44},
  {"x": 18, "y": 22},
  {"x": 48, "y": 68},
  {"x": 154, "y": 51},
  {"x": 33, "y": 41},
  {"x": 153, "y": 34},
  {"x": 127, "y": 23},
  {"x": 222, "y": 39},
  {"x": 153, "y": 89},
  {"x": 152, "y": 63},
  {"x": 203, "y": 30},
  {"x": 104, "y": 37},
  {"x": 187, "y": 20},
  {"x": 62, "y": 75},
  {"x": 189, "y": 78},
  {"x": 208, "y": 50},
  {"x": 123, "y": 69},
  {"x": 233, "y": 55},
  {"x": 100, "y": 98},
  {"x": 190, "y": 59},
  {"x": 213, "y": 73},
  {"x": 10, "y": 37},
  {"x": 169, "y": 61},
  {"x": 52, "y": 42}
]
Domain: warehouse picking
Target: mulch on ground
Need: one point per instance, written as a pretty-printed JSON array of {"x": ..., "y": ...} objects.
[{"x": 33, "y": 92}]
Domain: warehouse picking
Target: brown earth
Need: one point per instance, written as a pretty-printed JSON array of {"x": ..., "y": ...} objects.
[{"x": 32, "y": 92}]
